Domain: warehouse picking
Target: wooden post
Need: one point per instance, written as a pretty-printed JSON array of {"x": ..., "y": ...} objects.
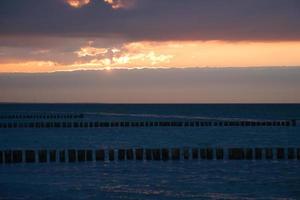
[
  {"x": 186, "y": 153},
  {"x": 219, "y": 154},
  {"x": 165, "y": 154},
  {"x": 203, "y": 154},
  {"x": 89, "y": 155},
  {"x": 62, "y": 156},
  {"x": 176, "y": 154},
  {"x": 42, "y": 156},
  {"x": 111, "y": 154},
  {"x": 269, "y": 153},
  {"x": 249, "y": 154},
  {"x": 195, "y": 153},
  {"x": 129, "y": 154},
  {"x": 148, "y": 154},
  {"x": 72, "y": 155},
  {"x": 1, "y": 157},
  {"x": 258, "y": 153},
  {"x": 236, "y": 154},
  {"x": 209, "y": 153},
  {"x": 8, "y": 156},
  {"x": 81, "y": 157},
  {"x": 100, "y": 155},
  {"x": 291, "y": 153},
  {"x": 52, "y": 155},
  {"x": 30, "y": 156},
  {"x": 121, "y": 154},
  {"x": 139, "y": 154},
  {"x": 280, "y": 153},
  {"x": 156, "y": 154}
]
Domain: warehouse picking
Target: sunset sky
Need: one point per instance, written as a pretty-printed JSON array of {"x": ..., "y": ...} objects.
[
  {"x": 45, "y": 36},
  {"x": 60, "y": 35}
]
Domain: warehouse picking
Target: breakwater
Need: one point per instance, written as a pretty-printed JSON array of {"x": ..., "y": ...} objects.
[
  {"x": 146, "y": 154},
  {"x": 106, "y": 124}
]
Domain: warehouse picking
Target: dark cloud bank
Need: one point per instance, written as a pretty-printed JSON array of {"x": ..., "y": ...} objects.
[
  {"x": 235, "y": 85},
  {"x": 156, "y": 19}
]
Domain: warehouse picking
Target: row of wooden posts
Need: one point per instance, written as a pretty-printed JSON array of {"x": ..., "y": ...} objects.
[
  {"x": 97, "y": 124},
  {"x": 139, "y": 154},
  {"x": 41, "y": 116}
]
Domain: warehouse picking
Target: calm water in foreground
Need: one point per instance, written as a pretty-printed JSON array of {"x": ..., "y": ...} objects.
[{"x": 155, "y": 179}]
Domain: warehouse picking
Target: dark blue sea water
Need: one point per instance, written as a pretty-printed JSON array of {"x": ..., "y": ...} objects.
[{"x": 153, "y": 180}]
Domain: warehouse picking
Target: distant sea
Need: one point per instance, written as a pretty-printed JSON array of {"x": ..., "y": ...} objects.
[{"x": 156, "y": 179}]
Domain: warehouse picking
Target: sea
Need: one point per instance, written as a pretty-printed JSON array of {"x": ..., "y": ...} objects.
[{"x": 152, "y": 180}]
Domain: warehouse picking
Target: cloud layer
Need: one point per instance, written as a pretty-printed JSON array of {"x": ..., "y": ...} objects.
[
  {"x": 73, "y": 54},
  {"x": 156, "y": 86},
  {"x": 77, "y": 3},
  {"x": 154, "y": 20}
]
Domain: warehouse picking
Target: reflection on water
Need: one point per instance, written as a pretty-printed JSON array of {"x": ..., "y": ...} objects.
[{"x": 153, "y": 180}]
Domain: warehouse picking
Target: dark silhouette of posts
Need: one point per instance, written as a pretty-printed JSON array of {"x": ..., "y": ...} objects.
[
  {"x": 203, "y": 154},
  {"x": 1, "y": 157},
  {"x": 139, "y": 154},
  {"x": 100, "y": 155},
  {"x": 219, "y": 154},
  {"x": 42, "y": 154},
  {"x": 62, "y": 156},
  {"x": 236, "y": 154},
  {"x": 249, "y": 154},
  {"x": 81, "y": 157},
  {"x": 195, "y": 153},
  {"x": 129, "y": 154},
  {"x": 8, "y": 156},
  {"x": 52, "y": 156},
  {"x": 148, "y": 154},
  {"x": 30, "y": 156},
  {"x": 17, "y": 156},
  {"x": 72, "y": 155},
  {"x": 269, "y": 153},
  {"x": 280, "y": 153},
  {"x": 156, "y": 154},
  {"x": 165, "y": 154},
  {"x": 209, "y": 154},
  {"x": 93, "y": 124},
  {"x": 89, "y": 155},
  {"x": 121, "y": 154},
  {"x": 291, "y": 153},
  {"x": 175, "y": 154},
  {"x": 258, "y": 153},
  {"x": 111, "y": 154},
  {"x": 186, "y": 153}
]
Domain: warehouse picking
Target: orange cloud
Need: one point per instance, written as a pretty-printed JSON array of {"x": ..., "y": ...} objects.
[
  {"x": 30, "y": 66},
  {"x": 77, "y": 3},
  {"x": 172, "y": 54},
  {"x": 118, "y": 4},
  {"x": 90, "y": 51},
  {"x": 115, "y": 4},
  {"x": 126, "y": 60},
  {"x": 144, "y": 59}
]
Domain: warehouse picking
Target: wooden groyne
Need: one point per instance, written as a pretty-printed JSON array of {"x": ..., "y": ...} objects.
[
  {"x": 146, "y": 154},
  {"x": 104, "y": 124},
  {"x": 40, "y": 116}
]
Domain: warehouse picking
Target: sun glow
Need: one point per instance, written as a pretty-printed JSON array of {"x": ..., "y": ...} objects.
[
  {"x": 172, "y": 54},
  {"x": 77, "y": 3},
  {"x": 119, "y": 4}
]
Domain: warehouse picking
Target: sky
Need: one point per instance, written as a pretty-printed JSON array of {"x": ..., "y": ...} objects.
[
  {"x": 53, "y": 36},
  {"x": 192, "y": 85},
  {"x": 67, "y": 35}
]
